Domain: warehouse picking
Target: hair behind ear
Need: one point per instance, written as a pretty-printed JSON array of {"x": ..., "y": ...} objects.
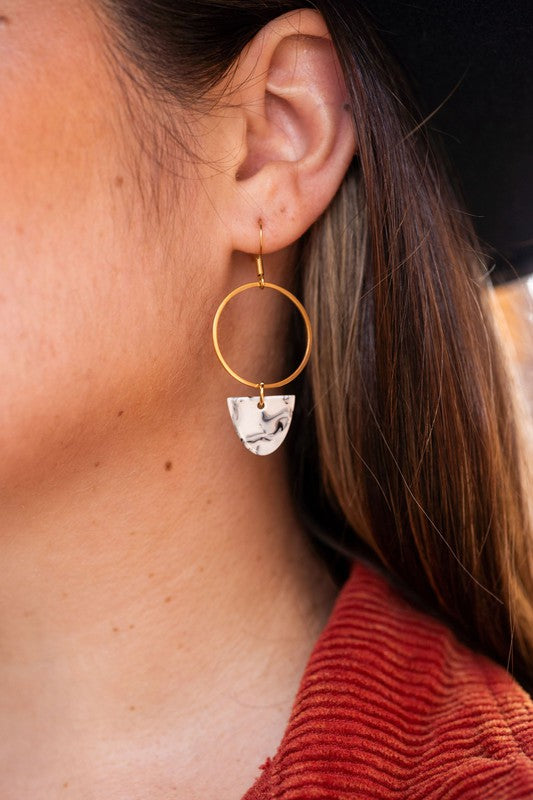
[{"x": 416, "y": 425}]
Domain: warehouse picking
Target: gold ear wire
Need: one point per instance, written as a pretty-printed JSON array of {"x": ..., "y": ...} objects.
[
  {"x": 262, "y": 284},
  {"x": 259, "y": 258}
]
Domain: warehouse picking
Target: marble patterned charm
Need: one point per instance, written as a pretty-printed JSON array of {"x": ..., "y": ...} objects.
[{"x": 261, "y": 430}]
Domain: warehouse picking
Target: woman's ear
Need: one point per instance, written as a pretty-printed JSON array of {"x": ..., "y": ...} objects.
[{"x": 290, "y": 129}]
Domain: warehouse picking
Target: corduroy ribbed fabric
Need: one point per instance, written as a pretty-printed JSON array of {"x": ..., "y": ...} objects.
[{"x": 392, "y": 705}]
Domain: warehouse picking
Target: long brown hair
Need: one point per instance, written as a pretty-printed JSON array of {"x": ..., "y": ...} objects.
[{"x": 410, "y": 432}]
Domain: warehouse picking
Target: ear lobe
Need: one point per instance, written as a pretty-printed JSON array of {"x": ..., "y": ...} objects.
[{"x": 299, "y": 133}]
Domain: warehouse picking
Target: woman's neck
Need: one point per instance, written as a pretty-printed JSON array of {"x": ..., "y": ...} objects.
[{"x": 144, "y": 587}]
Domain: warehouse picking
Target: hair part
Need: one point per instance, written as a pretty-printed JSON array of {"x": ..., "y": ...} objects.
[{"x": 410, "y": 434}]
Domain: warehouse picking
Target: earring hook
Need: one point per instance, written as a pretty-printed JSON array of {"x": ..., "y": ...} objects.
[{"x": 259, "y": 258}]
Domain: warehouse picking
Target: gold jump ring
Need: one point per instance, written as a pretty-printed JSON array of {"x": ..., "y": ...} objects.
[{"x": 301, "y": 309}]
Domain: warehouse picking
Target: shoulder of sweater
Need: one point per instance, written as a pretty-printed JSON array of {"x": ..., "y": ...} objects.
[
  {"x": 378, "y": 625},
  {"x": 417, "y": 650},
  {"x": 391, "y": 701}
]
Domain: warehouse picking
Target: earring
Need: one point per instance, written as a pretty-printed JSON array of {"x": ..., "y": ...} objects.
[{"x": 262, "y": 422}]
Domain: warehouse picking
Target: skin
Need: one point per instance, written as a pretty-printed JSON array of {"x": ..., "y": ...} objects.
[{"x": 158, "y": 600}]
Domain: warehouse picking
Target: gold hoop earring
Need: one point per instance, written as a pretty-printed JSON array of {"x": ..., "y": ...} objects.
[{"x": 262, "y": 422}]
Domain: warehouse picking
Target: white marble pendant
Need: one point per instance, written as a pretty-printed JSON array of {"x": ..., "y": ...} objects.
[{"x": 261, "y": 430}]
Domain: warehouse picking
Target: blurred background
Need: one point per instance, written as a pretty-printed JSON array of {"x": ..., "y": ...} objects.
[{"x": 473, "y": 61}]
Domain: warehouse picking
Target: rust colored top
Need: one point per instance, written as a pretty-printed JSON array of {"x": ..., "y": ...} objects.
[{"x": 392, "y": 705}]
